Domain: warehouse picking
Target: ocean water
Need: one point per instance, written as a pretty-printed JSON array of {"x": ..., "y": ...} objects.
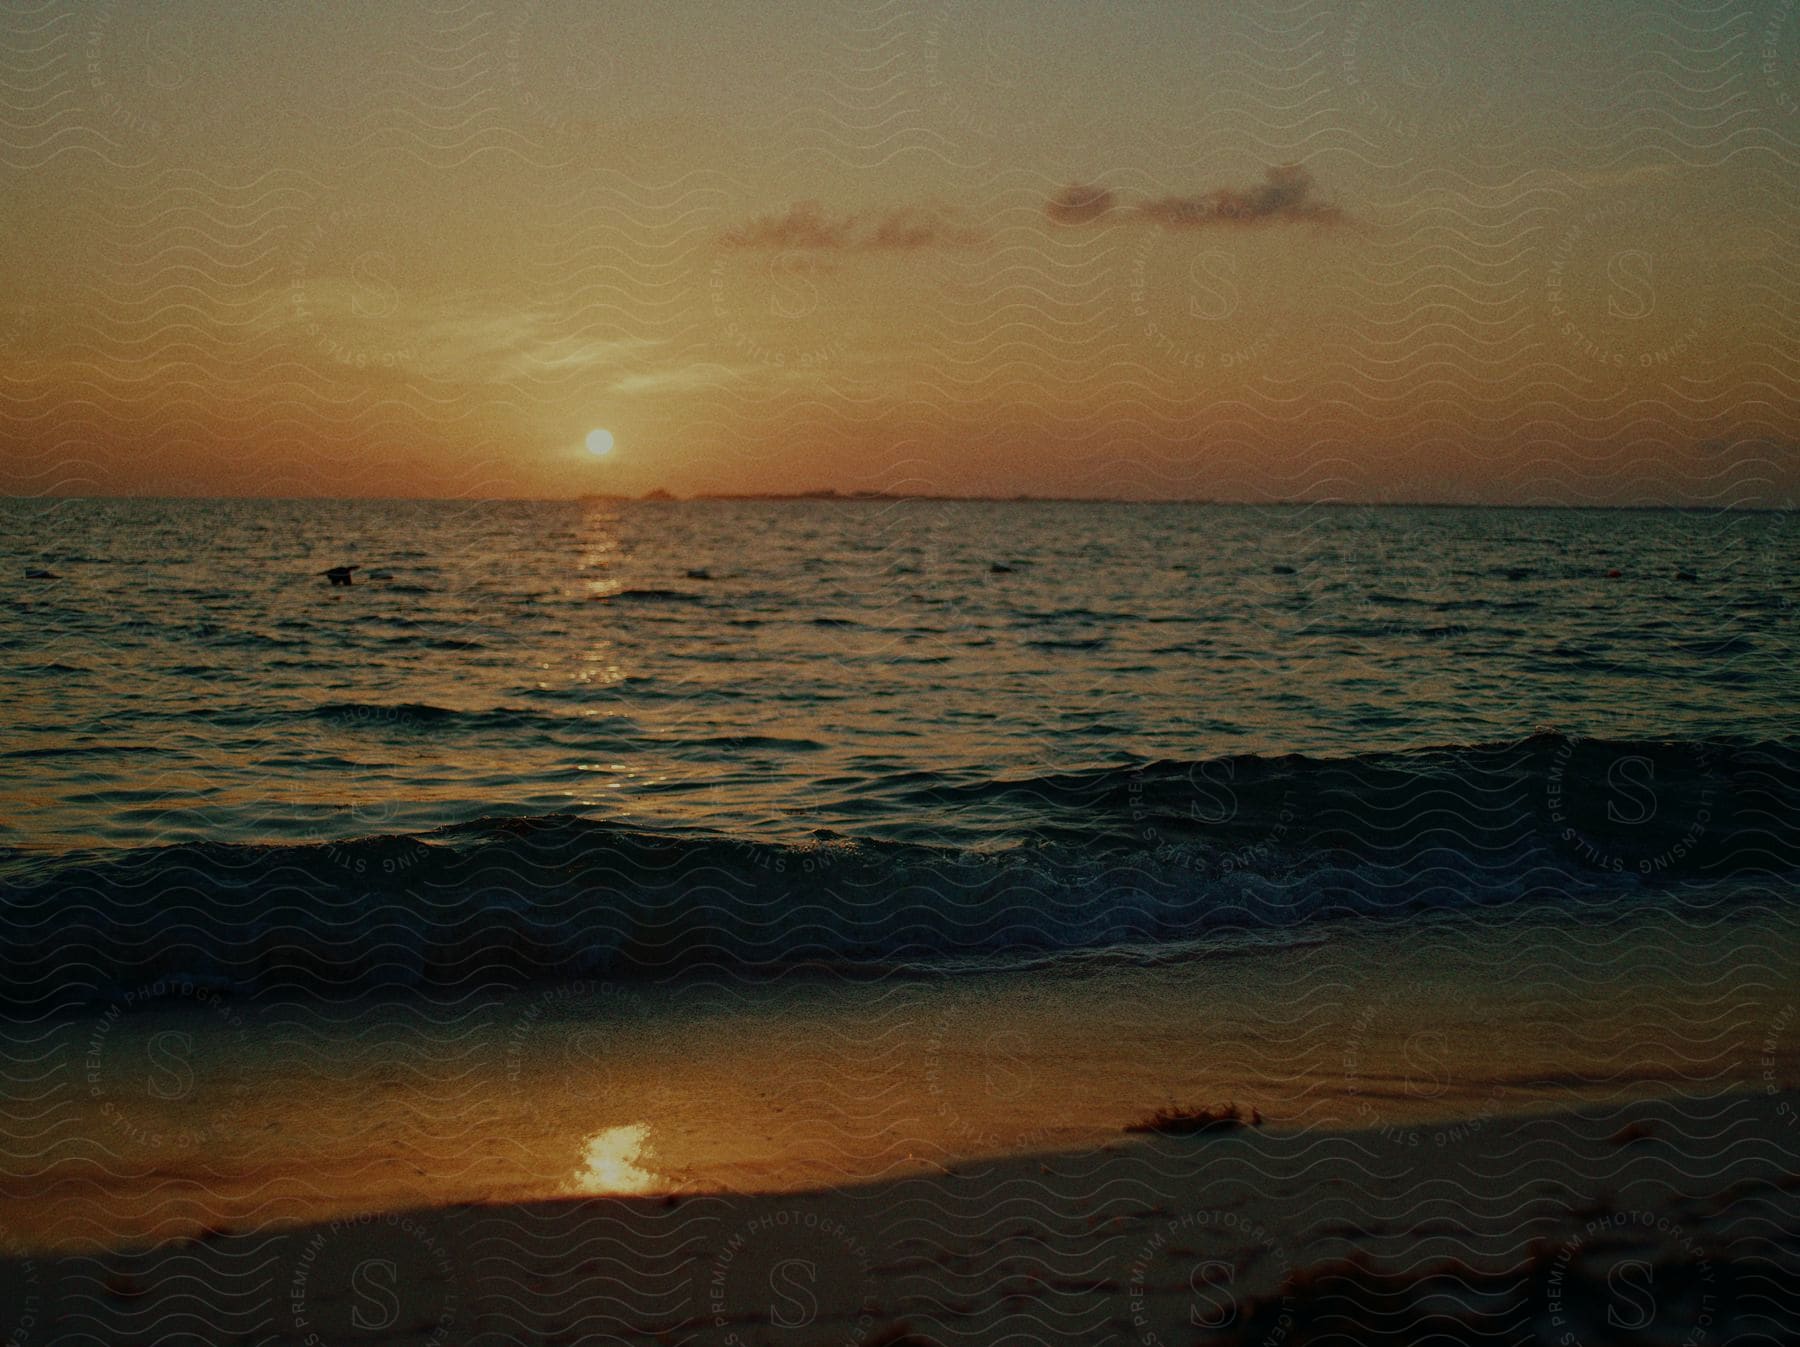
[{"x": 591, "y": 739}]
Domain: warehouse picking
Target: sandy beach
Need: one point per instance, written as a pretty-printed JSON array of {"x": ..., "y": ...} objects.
[
  {"x": 1588, "y": 1150},
  {"x": 1665, "y": 1222},
  {"x": 171, "y": 1116}
]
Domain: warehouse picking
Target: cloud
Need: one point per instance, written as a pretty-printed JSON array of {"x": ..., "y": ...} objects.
[
  {"x": 1079, "y": 204},
  {"x": 1287, "y": 194},
  {"x": 476, "y": 338},
  {"x": 911, "y": 227},
  {"x": 698, "y": 377},
  {"x": 805, "y": 227}
]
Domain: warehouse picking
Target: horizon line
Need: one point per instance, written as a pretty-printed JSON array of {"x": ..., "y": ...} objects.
[{"x": 828, "y": 497}]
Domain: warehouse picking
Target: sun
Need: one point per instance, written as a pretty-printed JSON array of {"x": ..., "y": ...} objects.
[{"x": 599, "y": 442}]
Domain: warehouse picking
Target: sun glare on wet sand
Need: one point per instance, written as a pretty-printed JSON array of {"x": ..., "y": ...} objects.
[{"x": 609, "y": 1162}]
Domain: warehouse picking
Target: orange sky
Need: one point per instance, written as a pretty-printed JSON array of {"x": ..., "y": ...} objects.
[{"x": 1378, "y": 251}]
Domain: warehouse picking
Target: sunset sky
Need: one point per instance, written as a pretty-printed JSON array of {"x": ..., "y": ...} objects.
[{"x": 1539, "y": 252}]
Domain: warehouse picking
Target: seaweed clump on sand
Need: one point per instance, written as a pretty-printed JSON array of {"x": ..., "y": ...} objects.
[{"x": 1183, "y": 1122}]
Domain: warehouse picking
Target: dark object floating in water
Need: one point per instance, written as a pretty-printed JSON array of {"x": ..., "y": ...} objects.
[
  {"x": 1519, "y": 573},
  {"x": 339, "y": 575},
  {"x": 1181, "y": 1122},
  {"x": 1614, "y": 575},
  {"x": 1001, "y": 568},
  {"x": 699, "y": 573},
  {"x": 1686, "y": 575},
  {"x": 1281, "y": 570},
  {"x": 649, "y": 596},
  {"x": 42, "y": 575}
]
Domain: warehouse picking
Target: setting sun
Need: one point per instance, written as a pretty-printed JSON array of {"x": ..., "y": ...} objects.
[{"x": 599, "y": 442}]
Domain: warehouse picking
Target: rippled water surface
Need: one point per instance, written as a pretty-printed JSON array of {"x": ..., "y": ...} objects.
[{"x": 774, "y": 669}]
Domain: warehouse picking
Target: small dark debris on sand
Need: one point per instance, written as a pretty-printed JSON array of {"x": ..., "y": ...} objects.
[{"x": 1181, "y": 1122}]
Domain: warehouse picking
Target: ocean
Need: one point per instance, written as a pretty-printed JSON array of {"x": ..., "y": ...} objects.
[
  {"x": 622, "y": 740},
  {"x": 595, "y": 848}
]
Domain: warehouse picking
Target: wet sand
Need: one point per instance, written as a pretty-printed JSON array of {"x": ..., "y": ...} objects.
[
  {"x": 1666, "y": 1222},
  {"x": 199, "y": 1114}
]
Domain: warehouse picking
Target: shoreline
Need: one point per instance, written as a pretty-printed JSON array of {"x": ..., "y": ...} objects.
[
  {"x": 1671, "y": 1209},
  {"x": 224, "y": 1114}
]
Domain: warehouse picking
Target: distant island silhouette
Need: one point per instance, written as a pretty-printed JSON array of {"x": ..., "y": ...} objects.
[
  {"x": 829, "y": 494},
  {"x": 660, "y": 495}
]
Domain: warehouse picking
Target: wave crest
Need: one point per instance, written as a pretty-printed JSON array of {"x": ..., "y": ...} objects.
[{"x": 1145, "y": 855}]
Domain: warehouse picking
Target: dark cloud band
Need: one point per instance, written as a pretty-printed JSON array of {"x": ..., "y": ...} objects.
[
  {"x": 1288, "y": 194},
  {"x": 806, "y": 227}
]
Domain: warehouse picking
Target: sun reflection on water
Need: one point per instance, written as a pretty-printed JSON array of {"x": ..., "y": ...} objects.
[{"x": 609, "y": 1162}]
